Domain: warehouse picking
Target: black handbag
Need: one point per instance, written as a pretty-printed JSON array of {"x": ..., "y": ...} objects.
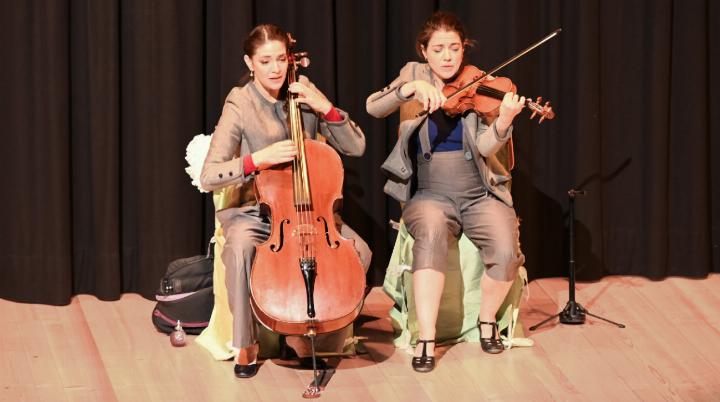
[{"x": 186, "y": 294}]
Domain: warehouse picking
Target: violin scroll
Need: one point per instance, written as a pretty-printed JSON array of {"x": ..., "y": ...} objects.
[{"x": 538, "y": 108}]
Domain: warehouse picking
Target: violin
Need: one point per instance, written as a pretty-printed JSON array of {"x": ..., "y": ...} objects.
[{"x": 473, "y": 89}]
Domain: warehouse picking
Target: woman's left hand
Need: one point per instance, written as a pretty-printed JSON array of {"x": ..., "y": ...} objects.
[
  {"x": 511, "y": 105},
  {"x": 311, "y": 96}
]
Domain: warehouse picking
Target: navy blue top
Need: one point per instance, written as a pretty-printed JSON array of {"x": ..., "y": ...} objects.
[{"x": 445, "y": 132}]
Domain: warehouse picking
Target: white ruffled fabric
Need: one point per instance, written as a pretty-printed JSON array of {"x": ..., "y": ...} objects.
[{"x": 195, "y": 154}]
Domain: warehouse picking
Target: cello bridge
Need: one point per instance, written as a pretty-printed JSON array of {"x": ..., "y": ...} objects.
[{"x": 304, "y": 229}]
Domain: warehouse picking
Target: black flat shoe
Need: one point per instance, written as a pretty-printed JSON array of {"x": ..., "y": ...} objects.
[
  {"x": 246, "y": 371},
  {"x": 491, "y": 345},
  {"x": 307, "y": 362},
  {"x": 424, "y": 363}
]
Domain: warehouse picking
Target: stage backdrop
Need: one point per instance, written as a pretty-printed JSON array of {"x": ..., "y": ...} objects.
[{"x": 98, "y": 99}]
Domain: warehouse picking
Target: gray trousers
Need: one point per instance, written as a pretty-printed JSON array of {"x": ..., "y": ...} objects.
[
  {"x": 244, "y": 230},
  {"x": 451, "y": 200}
]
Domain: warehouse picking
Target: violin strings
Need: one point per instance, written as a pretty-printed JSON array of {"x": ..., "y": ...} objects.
[
  {"x": 485, "y": 90},
  {"x": 495, "y": 93}
]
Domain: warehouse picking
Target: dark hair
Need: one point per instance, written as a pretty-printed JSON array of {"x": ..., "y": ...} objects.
[
  {"x": 265, "y": 33},
  {"x": 257, "y": 37},
  {"x": 441, "y": 21}
]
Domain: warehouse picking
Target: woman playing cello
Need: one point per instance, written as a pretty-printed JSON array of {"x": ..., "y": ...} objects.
[{"x": 251, "y": 136}]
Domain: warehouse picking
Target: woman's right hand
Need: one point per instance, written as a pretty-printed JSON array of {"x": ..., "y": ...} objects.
[
  {"x": 279, "y": 152},
  {"x": 431, "y": 98}
]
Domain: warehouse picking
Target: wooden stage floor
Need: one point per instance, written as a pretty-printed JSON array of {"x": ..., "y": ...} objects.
[{"x": 103, "y": 351}]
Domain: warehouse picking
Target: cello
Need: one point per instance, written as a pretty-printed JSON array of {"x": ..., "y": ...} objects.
[{"x": 306, "y": 279}]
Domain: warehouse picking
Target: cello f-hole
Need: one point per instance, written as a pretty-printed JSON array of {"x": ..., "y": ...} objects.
[
  {"x": 277, "y": 247},
  {"x": 331, "y": 243}
]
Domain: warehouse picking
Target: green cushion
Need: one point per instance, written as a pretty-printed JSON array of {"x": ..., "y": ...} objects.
[{"x": 461, "y": 298}]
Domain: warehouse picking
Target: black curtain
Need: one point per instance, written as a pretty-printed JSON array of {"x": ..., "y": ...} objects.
[{"x": 99, "y": 98}]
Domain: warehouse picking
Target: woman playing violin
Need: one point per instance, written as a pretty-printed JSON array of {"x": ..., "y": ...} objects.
[
  {"x": 251, "y": 136},
  {"x": 441, "y": 168}
]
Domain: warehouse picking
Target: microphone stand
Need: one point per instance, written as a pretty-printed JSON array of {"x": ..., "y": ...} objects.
[{"x": 573, "y": 313}]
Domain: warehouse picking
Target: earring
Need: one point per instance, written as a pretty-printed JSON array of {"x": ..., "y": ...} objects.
[{"x": 252, "y": 73}]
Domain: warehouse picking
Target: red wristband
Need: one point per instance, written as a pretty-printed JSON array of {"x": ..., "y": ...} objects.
[
  {"x": 332, "y": 115},
  {"x": 248, "y": 165}
]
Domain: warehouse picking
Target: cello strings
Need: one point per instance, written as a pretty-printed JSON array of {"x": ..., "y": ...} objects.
[
  {"x": 302, "y": 193},
  {"x": 301, "y": 173},
  {"x": 307, "y": 207},
  {"x": 297, "y": 185}
]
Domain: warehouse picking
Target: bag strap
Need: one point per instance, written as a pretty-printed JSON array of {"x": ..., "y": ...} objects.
[{"x": 211, "y": 248}]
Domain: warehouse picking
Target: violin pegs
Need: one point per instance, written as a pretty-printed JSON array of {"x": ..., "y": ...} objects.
[
  {"x": 541, "y": 119},
  {"x": 533, "y": 114}
]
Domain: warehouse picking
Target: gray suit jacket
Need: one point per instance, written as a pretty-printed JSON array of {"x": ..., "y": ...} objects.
[
  {"x": 480, "y": 141},
  {"x": 250, "y": 122}
]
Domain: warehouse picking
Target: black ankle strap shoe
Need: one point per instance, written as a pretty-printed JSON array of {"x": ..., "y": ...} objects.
[
  {"x": 493, "y": 344},
  {"x": 424, "y": 363}
]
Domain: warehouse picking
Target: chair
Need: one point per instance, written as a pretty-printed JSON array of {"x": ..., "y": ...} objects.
[
  {"x": 461, "y": 298},
  {"x": 217, "y": 337}
]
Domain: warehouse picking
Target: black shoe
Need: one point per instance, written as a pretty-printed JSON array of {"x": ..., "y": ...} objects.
[
  {"x": 307, "y": 362},
  {"x": 424, "y": 363},
  {"x": 491, "y": 345},
  {"x": 246, "y": 371}
]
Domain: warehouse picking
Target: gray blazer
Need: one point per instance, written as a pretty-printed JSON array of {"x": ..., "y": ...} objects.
[
  {"x": 480, "y": 144},
  {"x": 250, "y": 122}
]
